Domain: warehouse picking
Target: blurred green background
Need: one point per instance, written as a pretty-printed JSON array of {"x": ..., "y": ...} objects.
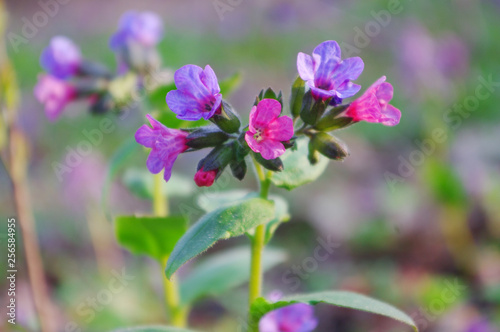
[{"x": 412, "y": 216}]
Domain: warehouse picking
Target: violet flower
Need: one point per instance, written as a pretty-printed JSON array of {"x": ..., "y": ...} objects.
[
  {"x": 267, "y": 130},
  {"x": 293, "y": 318},
  {"x": 144, "y": 28},
  {"x": 327, "y": 75},
  {"x": 55, "y": 94},
  {"x": 480, "y": 326},
  {"x": 197, "y": 95},
  {"x": 373, "y": 106},
  {"x": 166, "y": 144},
  {"x": 62, "y": 58}
]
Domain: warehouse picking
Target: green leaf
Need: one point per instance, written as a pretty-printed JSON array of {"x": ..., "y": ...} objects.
[
  {"x": 230, "y": 84},
  {"x": 223, "y": 271},
  {"x": 116, "y": 163},
  {"x": 223, "y": 223},
  {"x": 151, "y": 236},
  {"x": 219, "y": 199},
  {"x": 298, "y": 170},
  {"x": 141, "y": 183},
  {"x": 338, "y": 298},
  {"x": 152, "y": 329}
]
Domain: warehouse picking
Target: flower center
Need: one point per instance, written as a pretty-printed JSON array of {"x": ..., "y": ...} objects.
[{"x": 259, "y": 134}]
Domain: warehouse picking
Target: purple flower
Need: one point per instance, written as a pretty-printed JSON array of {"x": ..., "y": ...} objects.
[
  {"x": 373, "y": 106},
  {"x": 62, "y": 58},
  {"x": 197, "y": 95},
  {"x": 267, "y": 129},
  {"x": 293, "y": 318},
  {"x": 55, "y": 94},
  {"x": 480, "y": 326},
  {"x": 166, "y": 144},
  {"x": 327, "y": 75},
  {"x": 144, "y": 28}
]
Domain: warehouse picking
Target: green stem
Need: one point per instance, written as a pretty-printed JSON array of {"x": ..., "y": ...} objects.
[
  {"x": 255, "y": 286},
  {"x": 178, "y": 314}
]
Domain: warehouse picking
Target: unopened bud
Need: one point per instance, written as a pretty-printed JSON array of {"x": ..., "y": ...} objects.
[
  {"x": 298, "y": 91},
  {"x": 334, "y": 119},
  {"x": 329, "y": 146},
  {"x": 275, "y": 165},
  {"x": 226, "y": 119},
  {"x": 239, "y": 169},
  {"x": 206, "y": 137}
]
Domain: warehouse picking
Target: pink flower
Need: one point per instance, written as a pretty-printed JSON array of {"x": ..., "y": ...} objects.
[
  {"x": 55, "y": 94},
  {"x": 267, "y": 130},
  {"x": 205, "y": 179},
  {"x": 166, "y": 144},
  {"x": 373, "y": 105}
]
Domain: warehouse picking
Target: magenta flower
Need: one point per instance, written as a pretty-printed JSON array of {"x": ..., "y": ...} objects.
[
  {"x": 267, "y": 130},
  {"x": 197, "y": 95},
  {"x": 327, "y": 75},
  {"x": 166, "y": 144},
  {"x": 55, "y": 94},
  {"x": 62, "y": 58},
  {"x": 293, "y": 318},
  {"x": 205, "y": 178},
  {"x": 144, "y": 28},
  {"x": 373, "y": 105}
]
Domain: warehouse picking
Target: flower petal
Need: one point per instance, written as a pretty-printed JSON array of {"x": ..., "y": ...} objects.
[
  {"x": 209, "y": 79},
  {"x": 390, "y": 116},
  {"x": 185, "y": 105},
  {"x": 188, "y": 79},
  {"x": 280, "y": 129},
  {"x": 155, "y": 162},
  {"x": 348, "y": 89},
  {"x": 384, "y": 93},
  {"x": 270, "y": 149},
  {"x": 349, "y": 69},
  {"x": 267, "y": 110},
  {"x": 321, "y": 94},
  {"x": 305, "y": 66},
  {"x": 145, "y": 136},
  {"x": 328, "y": 50}
]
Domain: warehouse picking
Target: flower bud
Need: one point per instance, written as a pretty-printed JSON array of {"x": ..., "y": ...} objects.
[
  {"x": 217, "y": 159},
  {"x": 328, "y": 146},
  {"x": 334, "y": 119},
  {"x": 298, "y": 91},
  {"x": 239, "y": 169},
  {"x": 206, "y": 137},
  {"x": 312, "y": 109},
  {"x": 313, "y": 154},
  {"x": 204, "y": 178},
  {"x": 275, "y": 165},
  {"x": 226, "y": 119}
]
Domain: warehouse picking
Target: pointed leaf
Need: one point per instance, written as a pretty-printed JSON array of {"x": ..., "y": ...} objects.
[
  {"x": 298, "y": 170},
  {"x": 223, "y": 223},
  {"x": 151, "y": 236},
  {"x": 338, "y": 298},
  {"x": 223, "y": 271}
]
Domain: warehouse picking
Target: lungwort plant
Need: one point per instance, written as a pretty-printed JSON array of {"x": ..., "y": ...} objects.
[{"x": 287, "y": 142}]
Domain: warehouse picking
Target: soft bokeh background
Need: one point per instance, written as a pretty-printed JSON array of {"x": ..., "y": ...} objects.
[{"x": 413, "y": 219}]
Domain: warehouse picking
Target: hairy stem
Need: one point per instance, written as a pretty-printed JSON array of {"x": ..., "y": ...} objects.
[
  {"x": 178, "y": 315},
  {"x": 257, "y": 246}
]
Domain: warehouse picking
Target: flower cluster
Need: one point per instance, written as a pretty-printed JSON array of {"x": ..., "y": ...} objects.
[
  {"x": 198, "y": 97},
  {"x": 325, "y": 80},
  {"x": 70, "y": 77}
]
